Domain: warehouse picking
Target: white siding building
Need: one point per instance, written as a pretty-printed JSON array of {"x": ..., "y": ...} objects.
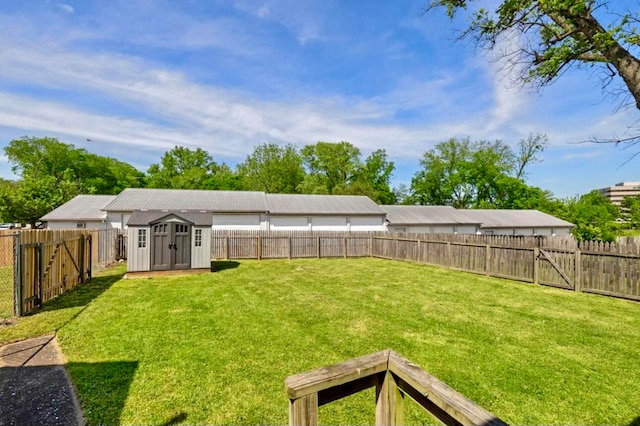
[
  {"x": 346, "y": 213},
  {"x": 429, "y": 220},
  {"x": 445, "y": 219},
  {"x": 83, "y": 211}
]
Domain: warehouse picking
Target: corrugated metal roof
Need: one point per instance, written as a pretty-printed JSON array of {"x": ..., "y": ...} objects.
[
  {"x": 514, "y": 219},
  {"x": 188, "y": 199},
  {"x": 427, "y": 215},
  {"x": 81, "y": 207},
  {"x": 322, "y": 204},
  {"x": 139, "y": 218}
]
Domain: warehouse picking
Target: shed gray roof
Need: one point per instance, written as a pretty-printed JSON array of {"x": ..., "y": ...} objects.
[
  {"x": 514, "y": 219},
  {"x": 427, "y": 215},
  {"x": 139, "y": 218},
  {"x": 80, "y": 208},
  {"x": 132, "y": 199},
  {"x": 322, "y": 204}
]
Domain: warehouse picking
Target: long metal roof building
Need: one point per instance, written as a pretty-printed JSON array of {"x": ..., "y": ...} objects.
[
  {"x": 322, "y": 204},
  {"x": 81, "y": 208},
  {"x": 426, "y": 215},
  {"x": 188, "y": 200},
  {"x": 514, "y": 219}
]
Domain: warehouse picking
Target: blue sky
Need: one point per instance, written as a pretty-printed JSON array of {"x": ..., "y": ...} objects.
[{"x": 139, "y": 77}]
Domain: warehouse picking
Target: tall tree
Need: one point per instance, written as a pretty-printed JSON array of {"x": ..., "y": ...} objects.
[
  {"x": 182, "y": 168},
  {"x": 466, "y": 174},
  {"x": 331, "y": 166},
  {"x": 374, "y": 178},
  {"x": 91, "y": 173},
  {"x": 558, "y": 34},
  {"x": 594, "y": 216},
  {"x": 272, "y": 168},
  {"x": 545, "y": 38},
  {"x": 631, "y": 210},
  {"x": 52, "y": 172},
  {"x": 33, "y": 197},
  {"x": 529, "y": 151}
]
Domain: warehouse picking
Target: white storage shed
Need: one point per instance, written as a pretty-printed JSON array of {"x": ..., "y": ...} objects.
[{"x": 161, "y": 241}]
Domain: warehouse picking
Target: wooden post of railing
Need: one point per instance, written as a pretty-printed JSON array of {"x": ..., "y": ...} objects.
[
  {"x": 577, "y": 284},
  {"x": 389, "y": 402},
  {"x": 304, "y": 411},
  {"x": 536, "y": 265},
  {"x": 393, "y": 376}
]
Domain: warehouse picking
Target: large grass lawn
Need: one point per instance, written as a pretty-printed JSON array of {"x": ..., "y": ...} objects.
[{"x": 216, "y": 348}]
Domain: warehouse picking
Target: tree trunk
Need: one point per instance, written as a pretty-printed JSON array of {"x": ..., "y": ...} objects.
[{"x": 627, "y": 65}]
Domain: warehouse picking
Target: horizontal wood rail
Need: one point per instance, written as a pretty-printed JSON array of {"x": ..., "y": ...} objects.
[{"x": 394, "y": 377}]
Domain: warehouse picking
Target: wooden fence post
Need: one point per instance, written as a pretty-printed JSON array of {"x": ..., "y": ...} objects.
[
  {"x": 81, "y": 260},
  {"x": 448, "y": 262},
  {"x": 536, "y": 264},
  {"x": 259, "y": 247},
  {"x": 290, "y": 245},
  {"x": 395, "y": 250},
  {"x": 226, "y": 249},
  {"x": 318, "y": 247},
  {"x": 389, "y": 402},
  {"x": 577, "y": 284},
  {"x": 345, "y": 247},
  {"x": 371, "y": 246},
  {"x": 487, "y": 261},
  {"x": 303, "y": 411}
]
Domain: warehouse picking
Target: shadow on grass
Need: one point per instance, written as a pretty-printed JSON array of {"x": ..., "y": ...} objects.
[
  {"x": 84, "y": 293},
  {"x": 635, "y": 422},
  {"x": 177, "y": 419},
  {"x": 102, "y": 388},
  {"x": 221, "y": 265}
]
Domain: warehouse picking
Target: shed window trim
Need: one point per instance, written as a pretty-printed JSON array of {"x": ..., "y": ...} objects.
[{"x": 142, "y": 238}]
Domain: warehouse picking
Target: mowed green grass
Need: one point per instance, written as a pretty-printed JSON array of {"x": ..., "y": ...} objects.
[{"x": 216, "y": 348}]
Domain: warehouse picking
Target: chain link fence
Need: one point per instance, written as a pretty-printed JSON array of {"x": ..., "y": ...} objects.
[{"x": 7, "y": 255}]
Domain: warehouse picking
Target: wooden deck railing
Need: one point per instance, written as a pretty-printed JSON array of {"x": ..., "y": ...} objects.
[{"x": 394, "y": 377}]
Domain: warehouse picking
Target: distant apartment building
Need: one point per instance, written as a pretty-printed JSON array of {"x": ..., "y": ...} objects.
[{"x": 620, "y": 190}]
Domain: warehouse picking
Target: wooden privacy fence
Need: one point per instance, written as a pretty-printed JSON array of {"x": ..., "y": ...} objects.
[
  {"x": 526, "y": 259},
  {"x": 50, "y": 262},
  {"x": 611, "y": 274},
  {"x": 290, "y": 246},
  {"x": 393, "y": 377}
]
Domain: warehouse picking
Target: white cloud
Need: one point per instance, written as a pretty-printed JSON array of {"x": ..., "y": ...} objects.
[
  {"x": 67, "y": 8},
  {"x": 173, "y": 109}
]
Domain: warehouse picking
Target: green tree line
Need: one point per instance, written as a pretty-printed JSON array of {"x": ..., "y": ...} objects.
[{"x": 458, "y": 172}]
